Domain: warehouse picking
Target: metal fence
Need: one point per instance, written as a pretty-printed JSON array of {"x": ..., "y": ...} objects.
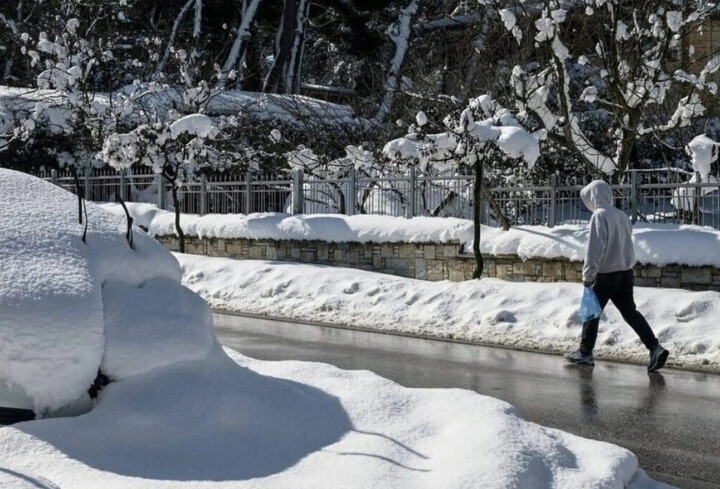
[{"x": 406, "y": 195}]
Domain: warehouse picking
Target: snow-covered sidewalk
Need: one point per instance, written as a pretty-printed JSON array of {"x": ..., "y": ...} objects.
[{"x": 536, "y": 316}]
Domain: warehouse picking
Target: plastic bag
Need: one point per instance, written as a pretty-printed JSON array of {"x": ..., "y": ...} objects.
[{"x": 589, "y": 306}]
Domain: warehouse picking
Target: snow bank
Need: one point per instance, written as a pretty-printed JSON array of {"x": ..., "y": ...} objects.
[
  {"x": 142, "y": 214},
  {"x": 535, "y": 316},
  {"x": 655, "y": 244},
  {"x": 53, "y": 288},
  {"x": 323, "y": 227},
  {"x": 293, "y": 424}
]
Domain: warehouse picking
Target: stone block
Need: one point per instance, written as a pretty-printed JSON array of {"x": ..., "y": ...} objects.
[
  {"x": 396, "y": 264},
  {"x": 323, "y": 252},
  {"x": 654, "y": 272},
  {"x": 646, "y": 281},
  {"x": 368, "y": 251},
  {"x": 271, "y": 253},
  {"x": 234, "y": 247},
  {"x": 503, "y": 271},
  {"x": 438, "y": 267},
  {"x": 377, "y": 262},
  {"x": 307, "y": 256},
  {"x": 454, "y": 276},
  {"x": 489, "y": 267},
  {"x": 386, "y": 250},
  {"x": 338, "y": 255},
  {"x": 670, "y": 282},
  {"x": 528, "y": 268},
  {"x": 255, "y": 252},
  {"x": 421, "y": 269},
  {"x": 696, "y": 276},
  {"x": 553, "y": 270},
  {"x": 429, "y": 252},
  {"x": 352, "y": 257},
  {"x": 573, "y": 275},
  {"x": 295, "y": 253},
  {"x": 406, "y": 251},
  {"x": 220, "y": 245},
  {"x": 449, "y": 250}
]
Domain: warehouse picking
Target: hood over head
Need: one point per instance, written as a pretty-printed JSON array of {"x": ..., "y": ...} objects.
[{"x": 596, "y": 195}]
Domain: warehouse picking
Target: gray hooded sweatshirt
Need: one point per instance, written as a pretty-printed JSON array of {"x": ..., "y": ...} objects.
[{"x": 610, "y": 247}]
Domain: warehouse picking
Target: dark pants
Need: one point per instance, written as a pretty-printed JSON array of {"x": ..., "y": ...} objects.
[{"x": 618, "y": 288}]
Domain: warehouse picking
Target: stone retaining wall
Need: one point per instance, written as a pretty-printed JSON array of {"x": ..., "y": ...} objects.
[{"x": 434, "y": 262}]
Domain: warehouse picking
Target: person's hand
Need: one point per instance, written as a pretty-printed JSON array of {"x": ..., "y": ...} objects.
[{"x": 589, "y": 283}]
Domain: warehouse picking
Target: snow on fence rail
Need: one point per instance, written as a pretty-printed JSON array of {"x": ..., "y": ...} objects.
[{"x": 406, "y": 195}]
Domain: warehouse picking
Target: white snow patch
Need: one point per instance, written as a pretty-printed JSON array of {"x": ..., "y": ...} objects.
[
  {"x": 526, "y": 315},
  {"x": 198, "y": 125},
  {"x": 704, "y": 151},
  {"x": 242, "y": 423},
  {"x": 53, "y": 333}
]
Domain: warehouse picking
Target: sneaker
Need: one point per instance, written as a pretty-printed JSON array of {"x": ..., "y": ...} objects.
[
  {"x": 580, "y": 358},
  {"x": 658, "y": 357}
]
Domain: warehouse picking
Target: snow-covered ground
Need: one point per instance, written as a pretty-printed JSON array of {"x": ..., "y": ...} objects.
[
  {"x": 182, "y": 412},
  {"x": 656, "y": 244},
  {"x": 525, "y": 315}
]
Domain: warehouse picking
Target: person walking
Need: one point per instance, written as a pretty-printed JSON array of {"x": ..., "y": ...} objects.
[{"x": 608, "y": 270}]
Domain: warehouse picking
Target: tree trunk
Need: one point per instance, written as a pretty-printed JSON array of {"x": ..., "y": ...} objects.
[
  {"x": 173, "y": 34},
  {"x": 504, "y": 221},
  {"x": 400, "y": 36},
  {"x": 178, "y": 228},
  {"x": 274, "y": 82},
  {"x": 293, "y": 76},
  {"x": 239, "y": 47},
  {"x": 477, "y": 203}
]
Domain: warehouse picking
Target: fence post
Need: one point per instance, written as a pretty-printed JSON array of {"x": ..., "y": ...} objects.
[
  {"x": 351, "y": 196},
  {"x": 411, "y": 210},
  {"x": 553, "y": 201},
  {"x": 123, "y": 185},
  {"x": 88, "y": 184},
  {"x": 297, "y": 192},
  {"x": 162, "y": 196},
  {"x": 54, "y": 176},
  {"x": 633, "y": 196},
  {"x": 698, "y": 199},
  {"x": 203, "y": 194},
  {"x": 248, "y": 193}
]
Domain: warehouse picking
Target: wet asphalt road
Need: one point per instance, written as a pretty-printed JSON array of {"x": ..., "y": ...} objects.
[{"x": 671, "y": 420}]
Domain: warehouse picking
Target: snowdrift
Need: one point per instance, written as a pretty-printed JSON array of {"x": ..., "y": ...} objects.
[{"x": 62, "y": 301}]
